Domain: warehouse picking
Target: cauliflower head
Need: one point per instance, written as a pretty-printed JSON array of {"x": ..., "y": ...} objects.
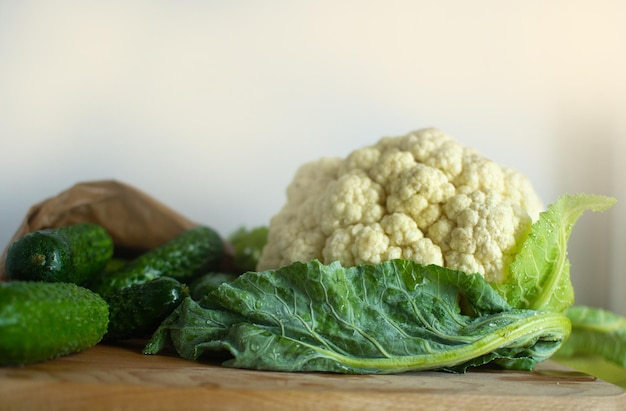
[{"x": 422, "y": 196}]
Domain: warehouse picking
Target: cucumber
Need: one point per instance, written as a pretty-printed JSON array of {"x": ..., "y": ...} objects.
[
  {"x": 208, "y": 282},
  {"x": 40, "y": 321},
  {"x": 137, "y": 311},
  {"x": 71, "y": 253},
  {"x": 192, "y": 253}
]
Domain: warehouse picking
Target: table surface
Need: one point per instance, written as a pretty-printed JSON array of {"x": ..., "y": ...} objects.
[{"x": 120, "y": 377}]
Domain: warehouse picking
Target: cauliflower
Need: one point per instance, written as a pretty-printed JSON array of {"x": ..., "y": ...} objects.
[{"x": 422, "y": 197}]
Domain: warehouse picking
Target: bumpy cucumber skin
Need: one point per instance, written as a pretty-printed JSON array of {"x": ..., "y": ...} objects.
[
  {"x": 208, "y": 282},
  {"x": 137, "y": 311},
  {"x": 40, "y": 321},
  {"x": 66, "y": 254},
  {"x": 192, "y": 253}
]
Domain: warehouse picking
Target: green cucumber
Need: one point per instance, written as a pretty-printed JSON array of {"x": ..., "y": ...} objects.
[
  {"x": 208, "y": 282},
  {"x": 40, "y": 320},
  {"x": 137, "y": 311},
  {"x": 71, "y": 254},
  {"x": 190, "y": 254}
]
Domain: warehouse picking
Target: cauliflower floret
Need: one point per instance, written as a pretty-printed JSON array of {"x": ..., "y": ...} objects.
[
  {"x": 351, "y": 199},
  {"x": 422, "y": 197},
  {"x": 480, "y": 232},
  {"x": 419, "y": 193}
]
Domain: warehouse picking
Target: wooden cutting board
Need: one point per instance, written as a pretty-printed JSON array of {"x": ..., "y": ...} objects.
[{"x": 121, "y": 378}]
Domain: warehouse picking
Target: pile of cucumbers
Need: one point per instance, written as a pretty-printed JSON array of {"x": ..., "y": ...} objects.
[{"x": 67, "y": 289}]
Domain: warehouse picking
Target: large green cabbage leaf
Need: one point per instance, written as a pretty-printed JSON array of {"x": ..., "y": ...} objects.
[{"x": 393, "y": 317}]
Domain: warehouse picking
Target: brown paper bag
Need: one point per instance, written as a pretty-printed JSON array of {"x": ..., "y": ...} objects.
[{"x": 133, "y": 219}]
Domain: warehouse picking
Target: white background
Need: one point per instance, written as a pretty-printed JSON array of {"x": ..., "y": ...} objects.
[{"x": 210, "y": 106}]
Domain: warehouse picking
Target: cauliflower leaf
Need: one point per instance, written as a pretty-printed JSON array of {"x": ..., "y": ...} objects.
[
  {"x": 247, "y": 246},
  {"x": 596, "y": 331},
  {"x": 395, "y": 316},
  {"x": 539, "y": 276},
  {"x": 370, "y": 319}
]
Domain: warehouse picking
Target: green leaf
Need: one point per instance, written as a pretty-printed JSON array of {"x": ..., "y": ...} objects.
[
  {"x": 248, "y": 246},
  {"x": 539, "y": 275},
  {"x": 596, "y": 331},
  {"x": 393, "y": 317}
]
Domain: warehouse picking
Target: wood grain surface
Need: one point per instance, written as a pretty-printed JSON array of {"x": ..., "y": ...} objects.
[{"x": 109, "y": 377}]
